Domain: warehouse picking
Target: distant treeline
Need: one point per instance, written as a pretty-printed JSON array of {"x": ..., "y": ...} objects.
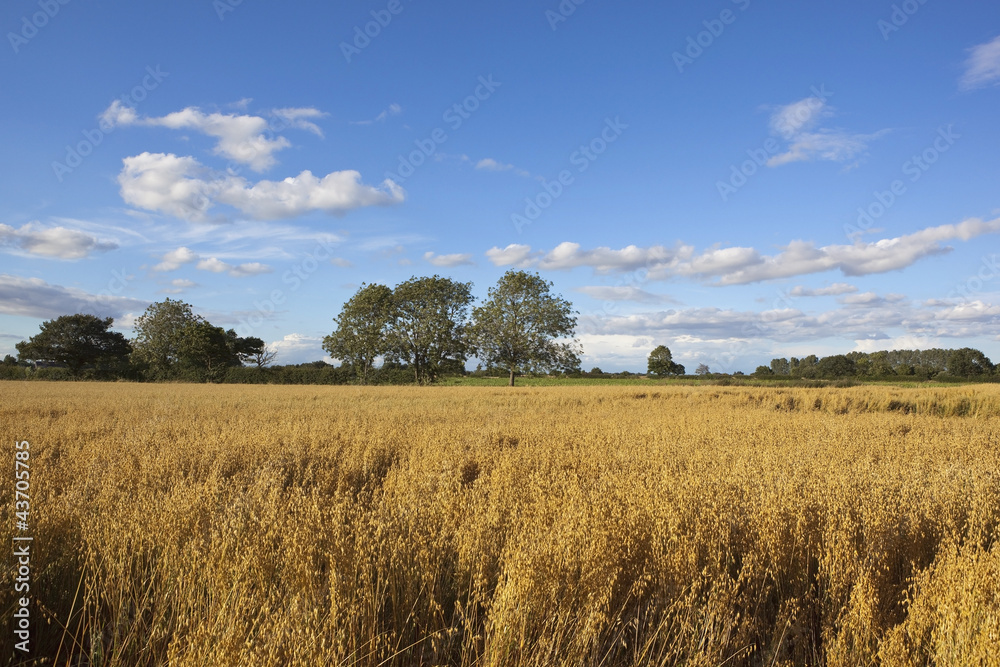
[{"x": 936, "y": 363}]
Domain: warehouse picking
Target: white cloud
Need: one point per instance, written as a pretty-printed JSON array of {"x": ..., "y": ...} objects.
[
  {"x": 33, "y": 297},
  {"x": 515, "y": 254},
  {"x": 738, "y": 265},
  {"x": 448, "y": 260},
  {"x": 624, "y": 293},
  {"x": 870, "y": 299},
  {"x": 392, "y": 110},
  {"x": 489, "y": 164},
  {"x": 797, "y": 123},
  {"x": 982, "y": 68},
  {"x": 341, "y": 262},
  {"x": 182, "y": 187},
  {"x": 296, "y": 348},
  {"x": 54, "y": 242},
  {"x": 175, "y": 258},
  {"x": 568, "y": 255},
  {"x": 792, "y": 119},
  {"x": 835, "y": 289},
  {"x": 214, "y": 265},
  {"x": 297, "y": 118},
  {"x": 249, "y": 269},
  {"x": 241, "y": 138}
]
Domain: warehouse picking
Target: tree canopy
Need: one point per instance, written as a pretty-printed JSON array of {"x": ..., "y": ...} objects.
[
  {"x": 661, "y": 363},
  {"x": 427, "y": 327},
  {"x": 519, "y": 325},
  {"x": 362, "y": 329},
  {"x": 76, "y": 341}
]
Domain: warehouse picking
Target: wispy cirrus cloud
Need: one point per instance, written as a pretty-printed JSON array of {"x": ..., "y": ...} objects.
[
  {"x": 982, "y": 67},
  {"x": 392, "y": 110},
  {"x": 800, "y": 124}
]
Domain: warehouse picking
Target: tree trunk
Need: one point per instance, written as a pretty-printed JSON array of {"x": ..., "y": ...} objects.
[{"x": 512, "y": 377}]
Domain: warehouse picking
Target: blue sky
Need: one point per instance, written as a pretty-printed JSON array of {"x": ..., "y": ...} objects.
[{"x": 736, "y": 179}]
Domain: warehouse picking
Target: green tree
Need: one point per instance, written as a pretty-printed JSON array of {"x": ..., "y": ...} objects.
[
  {"x": 249, "y": 350},
  {"x": 764, "y": 371},
  {"x": 76, "y": 341},
  {"x": 967, "y": 362},
  {"x": 362, "y": 329},
  {"x": 158, "y": 337},
  {"x": 428, "y": 326},
  {"x": 519, "y": 325},
  {"x": 206, "y": 351},
  {"x": 661, "y": 363},
  {"x": 781, "y": 366},
  {"x": 836, "y": 366}
]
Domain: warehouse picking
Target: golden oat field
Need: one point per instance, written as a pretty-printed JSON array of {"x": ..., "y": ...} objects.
[{"x": 640, "y": 525}]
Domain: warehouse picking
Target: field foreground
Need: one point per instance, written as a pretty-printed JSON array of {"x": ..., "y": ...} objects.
[{"x": 227, "y": 525}]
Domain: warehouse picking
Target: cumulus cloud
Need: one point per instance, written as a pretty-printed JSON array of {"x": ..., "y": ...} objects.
[
  {"x": 799, "y": 123},
  {"x": 296, "y": 348},
  {"x": 182, "y": 187},
  {"x": 516, "y": 254},
  {"x": 982, "y": 67},
  {"x": 870, "y": 299},
  {"x": 33, "y": 297},
  {"x": 176, "y": 258},
  {"x": 448, "y": 260},
  {"x": 568, "y": 255},
  {"x": 739, "y": 265},
  {"x": 173, "y": 260},
  {"x": 242, "y": 138},
  {"x": 54, "y": 242}
]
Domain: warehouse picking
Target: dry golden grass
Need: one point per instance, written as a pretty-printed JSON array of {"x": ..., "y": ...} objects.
[{"x": 223, "y": 525}]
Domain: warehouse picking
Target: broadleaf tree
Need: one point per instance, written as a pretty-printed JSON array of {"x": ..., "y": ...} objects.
[
  {"x": 76, "y": 341},
  {"x": 158, "y": 336},
  {"x": 520, "y": 325},
  {"x": 427, "y": 330},
  {"x": 661, "y": 363},
  {"x": 362, "y": 329}
]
